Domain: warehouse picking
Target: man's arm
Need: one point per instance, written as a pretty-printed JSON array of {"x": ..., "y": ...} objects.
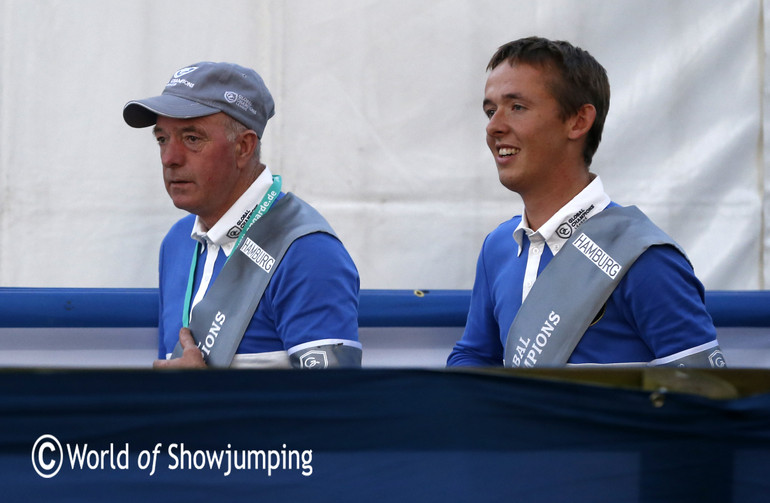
[
  {"x": 666, "y": 302},
  {"x": 480, "y": 344},
  {"x": 322, "y": 354},
  {"x": 314, "y": 300}
]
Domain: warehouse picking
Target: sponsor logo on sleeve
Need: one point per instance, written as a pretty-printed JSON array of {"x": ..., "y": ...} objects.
[
  {"x": 717, "y": 359},
  {"x": 314, "y": 359}
]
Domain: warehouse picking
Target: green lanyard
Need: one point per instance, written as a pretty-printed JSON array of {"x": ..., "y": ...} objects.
[{"x": 258, "y": 212}]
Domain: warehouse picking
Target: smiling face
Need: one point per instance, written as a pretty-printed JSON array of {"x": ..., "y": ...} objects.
[
  {"x": 530, "y": 141},
  {"x": 201, "y": 168}
]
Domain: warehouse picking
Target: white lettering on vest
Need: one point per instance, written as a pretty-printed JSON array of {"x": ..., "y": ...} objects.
[
  {"x": 211, "y": 337},
  {"x": 599, "y": 257},
  {"x": 541, "y": 339},
  {"x": 528, "y": 356},
  {"x": 257, "y": 255}
]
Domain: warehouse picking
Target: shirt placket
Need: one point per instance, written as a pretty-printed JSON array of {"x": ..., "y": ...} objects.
[
  {"x": 536, "y": 245},
  {"x": 212, "y": 252}
]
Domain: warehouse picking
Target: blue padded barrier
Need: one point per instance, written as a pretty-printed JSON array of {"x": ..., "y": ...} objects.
[
  {"x": 746, "y": 308},
  {"x": 138, "y": 307},
  {"x": 449, "y": 308},
  {"x": 78, "y": 307},
  {"x": 383, "y": 436},
  {"x": 413, "y": 308}
]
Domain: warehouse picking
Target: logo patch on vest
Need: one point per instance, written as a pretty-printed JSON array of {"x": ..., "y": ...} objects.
[
  {"x": 257, "y": 255},
  {"x": 314, "y": 359},
  {"x": 599, "y": 257},
  {"x": 717, "y": 359}
]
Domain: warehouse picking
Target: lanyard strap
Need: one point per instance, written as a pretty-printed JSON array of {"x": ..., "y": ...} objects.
[{"x": 258, "y": 212}]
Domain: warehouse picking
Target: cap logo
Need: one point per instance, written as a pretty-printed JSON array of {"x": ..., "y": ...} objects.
[
  {"x": 185, "y": 71},
  {"x": 240, "y": 101}
]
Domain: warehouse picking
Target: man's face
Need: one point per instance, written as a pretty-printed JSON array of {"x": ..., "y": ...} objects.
[
  {"x": 199, "y": 165},
  {"x": 525, "y": 133}
]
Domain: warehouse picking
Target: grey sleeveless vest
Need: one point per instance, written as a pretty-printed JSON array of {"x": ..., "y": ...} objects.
[
  {"x": 575, "y": 285},
  {"x": 223, "y": 314}
]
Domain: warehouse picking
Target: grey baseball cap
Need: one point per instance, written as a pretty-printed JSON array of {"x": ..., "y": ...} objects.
[{"x": 206, "y": 88}]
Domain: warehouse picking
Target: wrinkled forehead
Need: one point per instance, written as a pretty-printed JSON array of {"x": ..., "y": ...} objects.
[{"x": 204, "y": 123}]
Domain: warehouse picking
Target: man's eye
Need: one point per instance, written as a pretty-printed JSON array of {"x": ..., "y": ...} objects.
[
  {"x": 160, "y": 139},
  {"x": 489, "y": 113},
  {"x": 192, "y": 138},
  {"x": 518, "y": 107}
]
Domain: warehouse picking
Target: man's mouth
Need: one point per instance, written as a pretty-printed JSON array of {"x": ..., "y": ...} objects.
[{"x": 508, "y": 151}]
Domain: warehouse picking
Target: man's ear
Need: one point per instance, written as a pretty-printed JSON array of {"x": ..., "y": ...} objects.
[
  {"x": 245, "y": 145},
  {"x": 581, "y": 122}
]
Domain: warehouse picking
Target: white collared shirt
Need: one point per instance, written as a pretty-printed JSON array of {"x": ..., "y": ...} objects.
[
  {"x": 558, "y": 229},
  {"x": 225, "y": 232}
]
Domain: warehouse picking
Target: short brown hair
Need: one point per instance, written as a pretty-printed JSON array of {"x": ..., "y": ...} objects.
[{"x": 579, "y": 79}]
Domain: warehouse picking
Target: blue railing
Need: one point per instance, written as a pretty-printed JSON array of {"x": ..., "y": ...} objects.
[{"x": 138, "y": 307}]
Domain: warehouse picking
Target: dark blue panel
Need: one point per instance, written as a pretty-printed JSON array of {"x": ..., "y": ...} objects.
[{"x": 377, "y": 435}]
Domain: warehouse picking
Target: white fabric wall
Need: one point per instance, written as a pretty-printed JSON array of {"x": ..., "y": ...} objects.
[{"x": 378, "y": 124}]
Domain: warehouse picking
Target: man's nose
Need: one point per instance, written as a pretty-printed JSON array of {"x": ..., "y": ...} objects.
[
  {"x": 171, "y": 153},
  {"x": 496, "y": 125}
]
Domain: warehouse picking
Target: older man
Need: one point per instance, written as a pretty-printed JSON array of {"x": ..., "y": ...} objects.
[{"x": 254, "y": 277}]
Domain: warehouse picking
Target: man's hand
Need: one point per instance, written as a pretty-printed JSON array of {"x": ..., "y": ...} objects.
[{"x": 191, "y": 355}]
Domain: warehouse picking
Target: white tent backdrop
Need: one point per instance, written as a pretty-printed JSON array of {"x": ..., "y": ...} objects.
[{"x": 378, "y": 124}]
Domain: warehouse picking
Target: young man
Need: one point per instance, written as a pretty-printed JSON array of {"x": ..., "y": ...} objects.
[
  {"x": 611, "y": 287},
  {"x": 253, "y": 277}
]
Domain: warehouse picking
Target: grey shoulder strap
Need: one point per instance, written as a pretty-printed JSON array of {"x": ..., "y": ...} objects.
[
  {"x": 576, "y": 283},
  {"x": 224, "y": 313}
]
